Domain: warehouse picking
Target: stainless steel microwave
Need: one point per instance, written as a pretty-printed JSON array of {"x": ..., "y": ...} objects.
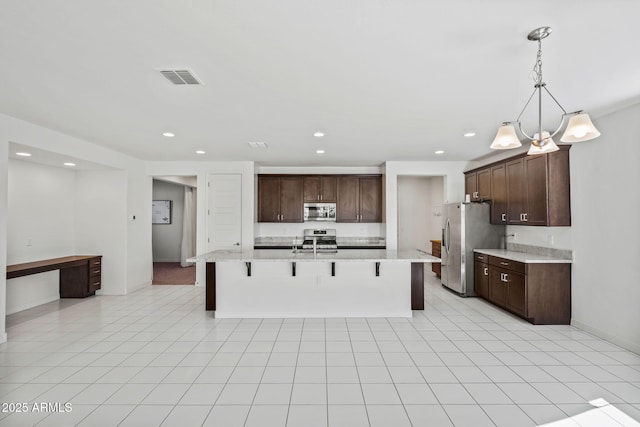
[{"x": 320, "y": 212}]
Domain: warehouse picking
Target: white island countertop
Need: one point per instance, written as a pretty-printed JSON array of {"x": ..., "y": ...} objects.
[
  {"x": 343, "y": 255},
  {"x": 524, "y": 257}
]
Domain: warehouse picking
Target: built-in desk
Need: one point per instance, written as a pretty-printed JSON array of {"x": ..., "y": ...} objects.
[{"x": 80, "y": 275}]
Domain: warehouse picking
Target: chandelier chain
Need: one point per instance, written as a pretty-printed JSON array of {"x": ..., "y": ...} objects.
[{"x": 536, "y": 73}]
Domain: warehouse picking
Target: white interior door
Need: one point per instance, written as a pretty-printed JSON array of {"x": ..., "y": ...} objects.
[{"x": 224, "y": 209}]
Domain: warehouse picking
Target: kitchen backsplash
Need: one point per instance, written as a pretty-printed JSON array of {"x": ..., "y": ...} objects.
[{"x": 267, "y": 229}]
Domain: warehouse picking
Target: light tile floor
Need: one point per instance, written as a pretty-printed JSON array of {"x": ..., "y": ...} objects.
[{"x": 155, "y": 357}]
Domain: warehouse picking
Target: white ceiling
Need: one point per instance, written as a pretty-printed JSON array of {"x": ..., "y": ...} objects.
[{"x": 384, "y": 79}]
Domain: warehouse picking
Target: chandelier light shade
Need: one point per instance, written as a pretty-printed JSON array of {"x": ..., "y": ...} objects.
[
  {"x": 541, "y": 147},
  {"x": 506, "y": 138},
  {"x": 580, "y": 128}
]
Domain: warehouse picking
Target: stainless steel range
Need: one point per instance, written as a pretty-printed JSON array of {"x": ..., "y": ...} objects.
[{"x": 323, "y": 241}]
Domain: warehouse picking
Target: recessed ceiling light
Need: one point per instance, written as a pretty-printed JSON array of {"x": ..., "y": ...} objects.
[
  {"x": 169, "y": 134},
  {"x": 470, "y": 134},
  {"x": 439, "y": 152},
  {"x": 319, "y": 151},
  {"x": 318, "y": 134},
  {"x": 200, "y": 152},
  {"x": 257, "y": 144},
  {"x": 69, "y": 164},
  {"x": 23, "y": 154}
]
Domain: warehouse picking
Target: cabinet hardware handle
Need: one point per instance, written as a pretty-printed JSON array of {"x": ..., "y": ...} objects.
[
  {"x": 526, "y": 217},
  {"x": 506, "y": 277},
  {"x": 480, "y": 257},
  {"x": 96, "y": 271},
  {"x": 503, "y": 217},
  {"x": 504, "y": 263},
  {"x": 486, "y": 271},
  {"x": 321, "y": 197}
]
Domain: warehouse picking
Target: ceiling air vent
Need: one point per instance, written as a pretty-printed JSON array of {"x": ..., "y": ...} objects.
[
  {"x": 180, "y": 77},
  {"x": 257, "y": 144}
]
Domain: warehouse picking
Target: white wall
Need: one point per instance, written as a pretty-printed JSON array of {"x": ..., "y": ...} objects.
[
  {"x": 101, "y": 228},
  {"x": 40, "y": 225},
  {"x": 453, "y": 187},
  {"x": 605, "y": 203},
  {"x": 138, "y": 244},
  {"x": 4, "y": 178},
  {"x": 167, "y": 238},
  {"x": 419, "y": 211}
]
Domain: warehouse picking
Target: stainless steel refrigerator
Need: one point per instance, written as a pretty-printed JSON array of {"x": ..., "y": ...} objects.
[{"x": 466, "y": 227}]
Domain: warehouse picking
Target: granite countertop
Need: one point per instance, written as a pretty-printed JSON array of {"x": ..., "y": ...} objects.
[
  {"x": 524, "y": 257},
  {"x": 345, "y": 255}
]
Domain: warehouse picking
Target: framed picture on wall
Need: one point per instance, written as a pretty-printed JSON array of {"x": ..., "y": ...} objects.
[{"x": 161, "y": 212}]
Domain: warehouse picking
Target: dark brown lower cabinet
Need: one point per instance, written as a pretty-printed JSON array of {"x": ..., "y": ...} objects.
[
  {"x": 538, "y": 292},
  {"x": 436, "y": 250},
  {"x": 497, "y": 288},
  {"x": 481, "y": 276}
]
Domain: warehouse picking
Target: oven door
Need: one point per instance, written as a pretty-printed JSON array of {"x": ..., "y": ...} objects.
[{"x": 324, "y": 212}]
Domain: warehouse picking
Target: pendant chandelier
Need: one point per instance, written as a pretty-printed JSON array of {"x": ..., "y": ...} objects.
[{"x": 579, "y": 127}]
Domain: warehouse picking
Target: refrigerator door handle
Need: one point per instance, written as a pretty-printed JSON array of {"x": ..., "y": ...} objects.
[{"x": 447, "y": 236}]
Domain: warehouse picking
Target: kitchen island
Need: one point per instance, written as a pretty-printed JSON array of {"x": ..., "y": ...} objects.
[{"x": 272, "y": 283}]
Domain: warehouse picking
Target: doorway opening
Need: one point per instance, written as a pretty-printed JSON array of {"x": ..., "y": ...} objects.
[
  {"x": 420, "y": 200},
  {"x": 174, "y": 230}
]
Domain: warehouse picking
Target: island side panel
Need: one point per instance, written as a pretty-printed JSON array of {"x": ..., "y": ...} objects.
[
  {"x": 417, "y": 286},
  {"x": 272, "y": 292},
  {"x": 210, "y": 287}
]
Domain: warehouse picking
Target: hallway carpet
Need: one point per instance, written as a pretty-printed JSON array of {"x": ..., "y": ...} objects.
[{"x": 171, "y": 273}]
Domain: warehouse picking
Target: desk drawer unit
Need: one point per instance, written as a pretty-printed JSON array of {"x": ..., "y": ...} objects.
[{"x": 81, "y": 280}]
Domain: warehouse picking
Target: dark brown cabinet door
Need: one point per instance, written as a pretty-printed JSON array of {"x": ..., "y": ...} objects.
[
  {"x": 483, "y": 179},
  {"x": 370, "y": 199},
  {"x": 471, "y": 185},
  {"x": 516, "y": 293},
  {"x": 291, "y": 205},
  {"x": 481, "y": 279},
  {"x": 311, "y": 189},
  {"x": 328, "y": 185},
  {"x": 516, "y": 191},
  {"x": 497, "y": 287},
  {"x": 268, "y": 199},
  {"x": 498, "y": 194},
  {"x": 536, "y": 185},
  {"x": 348, "y": 200}
]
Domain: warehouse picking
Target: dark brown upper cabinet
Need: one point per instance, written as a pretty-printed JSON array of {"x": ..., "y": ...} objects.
[
  {"x": 478, "y": 184},
  {"x": 280, "y": 198},
  {"x": 359, "y": 198},
  {"x": 318, "y": 188},
  {"x": 526, "y": 190}
]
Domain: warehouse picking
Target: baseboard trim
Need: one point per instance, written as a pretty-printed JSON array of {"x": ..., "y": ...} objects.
[
  {"x": 621, "y": 342},
  {"x": 139, "y": 286}
]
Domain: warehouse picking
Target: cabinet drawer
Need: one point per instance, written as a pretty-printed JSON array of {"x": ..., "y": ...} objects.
[
  {"x": 95, "y": 271},
  {"x": 481, "y": 257},
  {"x": 95, "y": 262},
  {"x": 95, "y": 283},
  {"x": 518, "y": 267}
]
